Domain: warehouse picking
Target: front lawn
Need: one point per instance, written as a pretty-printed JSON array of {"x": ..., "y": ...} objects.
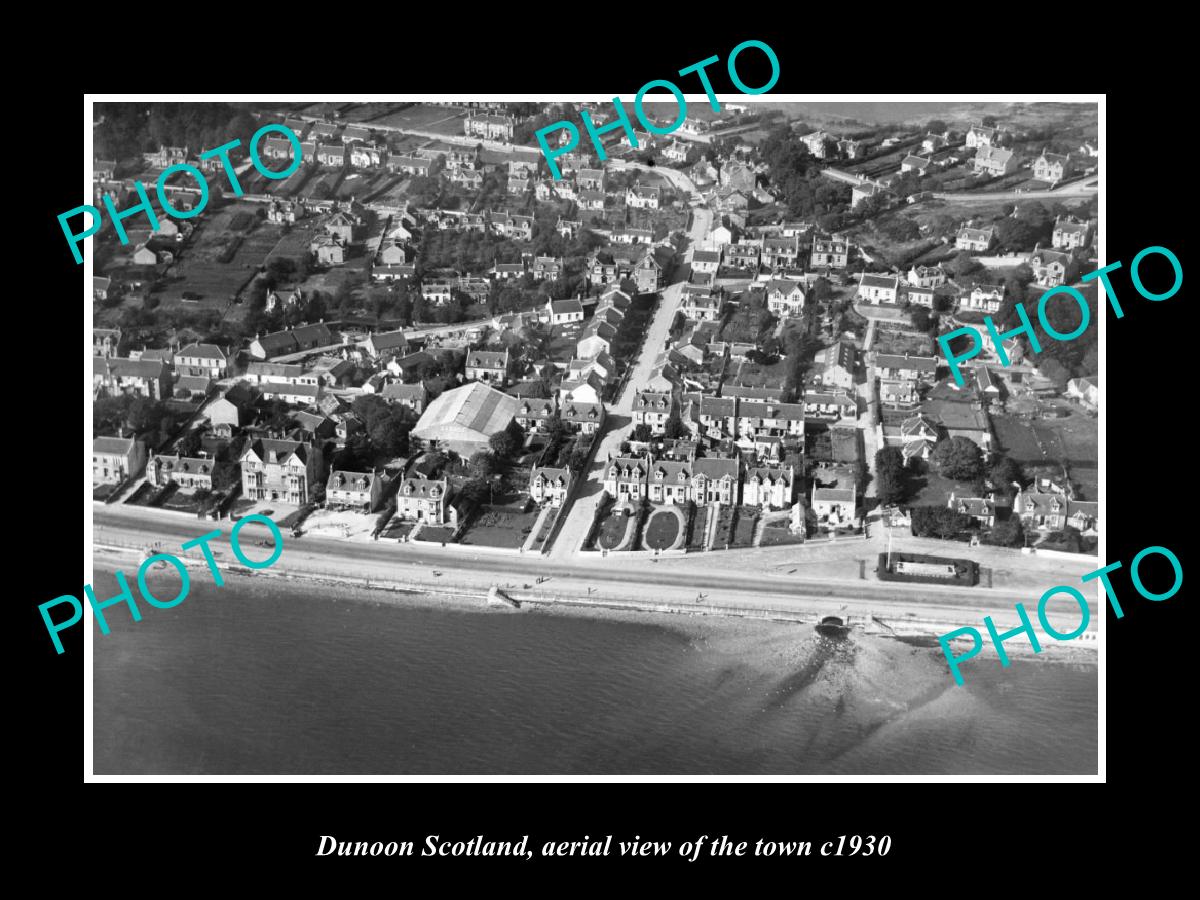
[
  {"x": 777, "y": 533},
  {"x": 612, "y": 530},
  {"x": 662, "y": 530},
  {"x": 499, "y": 528},
  {"x": 743, "y": 532}
]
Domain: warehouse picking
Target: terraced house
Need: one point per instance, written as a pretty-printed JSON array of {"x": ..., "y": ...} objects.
[
  {"x": 625, "y": 477},
  {"x": 282, "y": 470},
  {"x": 116, "y": 375}
]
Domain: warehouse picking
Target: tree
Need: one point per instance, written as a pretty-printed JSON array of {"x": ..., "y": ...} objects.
[
  {"x": 502, "y": 444},
  {"x": 920, "y": 318},
  {"x": 936, "y": 126},
  {"x": 643, "y": 433},
  {"x": 674, "y": 427},
  {"x": 1004, "y": 472},
  {"x": 938, "y": 521},
  {"x": 1006, "y": 534},
  {"x": 959, "y": 458},
  {"x": 1054, "y": 370},
  {"x": 483, "y": 464},
  {"x": 190, "y": 443},
  {"x": 988, "y": 122},
  {"x": 891, "y": 477},
  {"x": 963, "y": 264},
  {"x": 577, "y": 460}
]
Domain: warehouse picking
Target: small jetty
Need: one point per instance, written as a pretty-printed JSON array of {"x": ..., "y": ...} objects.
[{"x": 497, "y": 597}]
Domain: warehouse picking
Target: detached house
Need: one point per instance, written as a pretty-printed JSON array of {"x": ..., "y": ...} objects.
[
  {"x": 994, "y": 161},
  {"x": 978, "y": 240},
  {"x": 1052, "y": 167},
  {"x": 190, "y": 473},
  {"x": 706, "y": 261},
  {"x": 915, "y": 164},
  {"x": 586, "y": 417},
  {"x": 781, "y": 252},
  {"x": 769, "y": 486},
  {"x": 424, "y": 500},
  {"x": 283, "y": 470},
  {"x": 878, "y": 288},
  {"x": 116, "y": 458},
  {"x": 361, "y": 491},
  {"x": 1070, "y": 233},
  {"x": 834, "y": 498},
  {"x": 487, "y": 366},
  {"x": 831, "y": 252},
  {"x": 414, "y": 396},
  {"x": 549, "y": 485},
  {"x": 1049, "y": 267},
  {"x": 979, "y": 136},
  {"x": 563, "y": 311},
  {"x": 926, "y": 276},
  {"x": 785, "y": 298},
  {"x": 642, "y": 197},
  {"x": 535, "y": 414},
  {"x": 653, "y": 408},
  {"x": 983, "y": 298}
]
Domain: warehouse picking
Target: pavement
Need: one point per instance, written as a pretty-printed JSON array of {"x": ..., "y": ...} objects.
[{"x": 821, "y": 579}]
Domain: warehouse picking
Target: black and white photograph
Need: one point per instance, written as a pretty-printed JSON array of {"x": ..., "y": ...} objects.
[{"x": 717, "y": 436}]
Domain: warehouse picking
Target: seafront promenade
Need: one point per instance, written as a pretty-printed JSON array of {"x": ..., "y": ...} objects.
[{"x": 783, "y": 582}]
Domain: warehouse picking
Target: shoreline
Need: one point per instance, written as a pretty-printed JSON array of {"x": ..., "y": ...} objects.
[{"x": 691, "y": 622}]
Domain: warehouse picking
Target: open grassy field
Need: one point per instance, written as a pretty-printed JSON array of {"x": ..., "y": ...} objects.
[{"x": 425, "y": 117}]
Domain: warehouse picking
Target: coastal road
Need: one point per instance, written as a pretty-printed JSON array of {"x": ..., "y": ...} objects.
[
  {"x": 780, "y": 578},
  {"x": 1077, "y": 189}
]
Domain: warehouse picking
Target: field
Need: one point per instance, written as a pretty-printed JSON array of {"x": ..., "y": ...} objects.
[
  {"x": 199, "y": 269},
  {"x": 425, "y": 117}
]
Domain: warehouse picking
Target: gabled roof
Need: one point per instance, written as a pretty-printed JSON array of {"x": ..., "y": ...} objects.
[
  {"x": 202, "y": 351},
  {"x": 112, "y": 445}
]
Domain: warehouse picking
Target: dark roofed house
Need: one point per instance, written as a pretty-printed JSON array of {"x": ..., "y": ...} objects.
[
  {"x": 118, "y": 375},
  {"x": 487, "y": 366},
  {"x": 414, "y": 396},
  {"x": 190, "y": 473},
  {"x": 355, "y": 490}
]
